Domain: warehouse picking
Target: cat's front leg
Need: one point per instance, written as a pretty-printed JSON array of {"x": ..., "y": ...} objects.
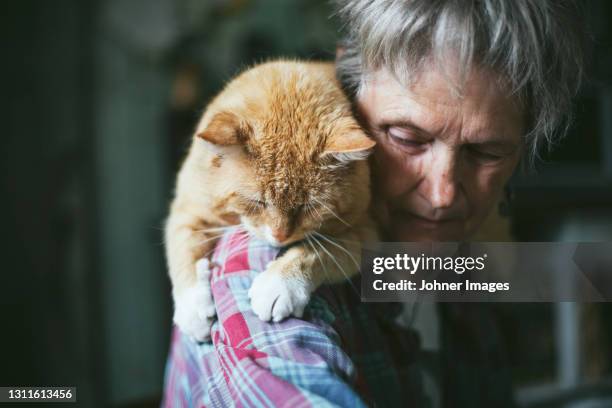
[
  {"x": 284, "y": 288},
  {"x": 194, "y": 309},
  {"x": 187, "y": 249}
]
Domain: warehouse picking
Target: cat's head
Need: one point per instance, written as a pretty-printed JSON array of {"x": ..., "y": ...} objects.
[{"x": 301, "y": 154}]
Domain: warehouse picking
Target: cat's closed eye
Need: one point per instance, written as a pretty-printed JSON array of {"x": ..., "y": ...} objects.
[
  {"x": 251, "y": 205},
  {"x": 259, "y": 203}
]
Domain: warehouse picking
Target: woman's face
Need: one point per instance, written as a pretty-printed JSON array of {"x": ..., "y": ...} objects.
[{"x": 441, "y": 160}]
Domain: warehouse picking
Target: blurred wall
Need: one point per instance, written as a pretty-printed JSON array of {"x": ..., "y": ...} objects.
[
  {"x": 131, "y": 93},
  {"x": 49, "y": 309},
  {"x": 85, "y": 298}
]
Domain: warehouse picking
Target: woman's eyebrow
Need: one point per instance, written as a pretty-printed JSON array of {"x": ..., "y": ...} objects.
[
  {"x": 495, "y": 144},
  {"x": 416, "y": 119},
  {"x": 403, "y": 122}
]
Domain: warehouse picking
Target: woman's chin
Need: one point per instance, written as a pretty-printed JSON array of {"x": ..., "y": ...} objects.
[{"x": 416, "y": 231}]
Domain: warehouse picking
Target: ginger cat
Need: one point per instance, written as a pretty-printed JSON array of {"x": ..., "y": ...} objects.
[{"x": 279, "y": 153}]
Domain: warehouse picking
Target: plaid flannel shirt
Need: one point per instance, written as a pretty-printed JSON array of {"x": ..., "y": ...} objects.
[{"x": 341, "y": 353}]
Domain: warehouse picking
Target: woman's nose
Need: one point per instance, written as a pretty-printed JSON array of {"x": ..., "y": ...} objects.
[{"x": 439, "y": 186}]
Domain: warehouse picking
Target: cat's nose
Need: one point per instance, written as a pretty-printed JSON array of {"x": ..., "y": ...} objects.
[{"x": 280, "y": 235}]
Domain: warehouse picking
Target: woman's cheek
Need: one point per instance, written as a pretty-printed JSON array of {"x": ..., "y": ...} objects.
[
  {"x": 485, "y": 188},
  {"x": 397, "y": 171}
]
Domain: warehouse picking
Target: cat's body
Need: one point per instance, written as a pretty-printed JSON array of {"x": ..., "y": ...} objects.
[{"x": 278, "y": 152}]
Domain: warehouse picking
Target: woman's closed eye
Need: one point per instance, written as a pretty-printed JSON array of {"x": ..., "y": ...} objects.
[
  {"x": 405, "y": 137},
  {"x": 483, "y": 155}
]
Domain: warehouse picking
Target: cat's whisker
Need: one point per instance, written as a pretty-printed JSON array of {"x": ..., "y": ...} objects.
[
  {"x": 222, "y": 230},
  {"x": 325, "y": 196},
  {"x": 207, "y": 254},
  {"x": 242, "y": 244},
  {"x": 308, "y": 210},
  {"x": 333, "y": 258},
  {"x": 233, "y": 250},
  {"x": 239, "y": 249},
  {"x": 215, "y": 229},
  {"x": 332, "y": 212},
  {"x": 309, "y": 240},
  {"x": 338, "y": 265},
  {"x": 343, "y": 240},
  {"x": 313, "y": 208},
  {"x": 238, "y": 227},
  {"x": 236, "y": 250},
  {"x": 346, "y": 251},
  {"x": 209, "y": 238}
]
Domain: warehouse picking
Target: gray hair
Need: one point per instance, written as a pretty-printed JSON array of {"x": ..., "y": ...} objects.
[{"x": 534, "y": 45}]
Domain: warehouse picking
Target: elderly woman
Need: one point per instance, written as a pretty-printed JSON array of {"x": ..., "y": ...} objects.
[{"x": 456, "y": 93}]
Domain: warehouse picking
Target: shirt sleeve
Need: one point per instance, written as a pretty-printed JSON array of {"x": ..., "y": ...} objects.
[{"x": 293, "y": 363}]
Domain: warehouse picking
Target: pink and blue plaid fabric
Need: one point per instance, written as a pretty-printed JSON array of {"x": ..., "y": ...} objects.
[{"x": 342, "y": 353}]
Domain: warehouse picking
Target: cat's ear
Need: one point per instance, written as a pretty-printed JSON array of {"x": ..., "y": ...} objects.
[
  {"x": 351, "y": 145},
  {"x": 224, "y": 129}
]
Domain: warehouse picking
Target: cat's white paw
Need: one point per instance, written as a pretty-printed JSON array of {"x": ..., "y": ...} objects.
[
  {"x": 274, "y": 297},
  {"x": 194, "y": 309}
]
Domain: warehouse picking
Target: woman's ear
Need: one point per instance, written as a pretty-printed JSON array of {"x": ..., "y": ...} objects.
[
  {"x": 224, "y": 129},
  {"x": 339, "y": 51}
]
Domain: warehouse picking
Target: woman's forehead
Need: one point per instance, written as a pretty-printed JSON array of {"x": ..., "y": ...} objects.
[{"x": 430, "y": 102}]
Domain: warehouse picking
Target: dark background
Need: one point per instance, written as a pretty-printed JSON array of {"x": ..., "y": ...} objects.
[{"x": 98, "y": 102}]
